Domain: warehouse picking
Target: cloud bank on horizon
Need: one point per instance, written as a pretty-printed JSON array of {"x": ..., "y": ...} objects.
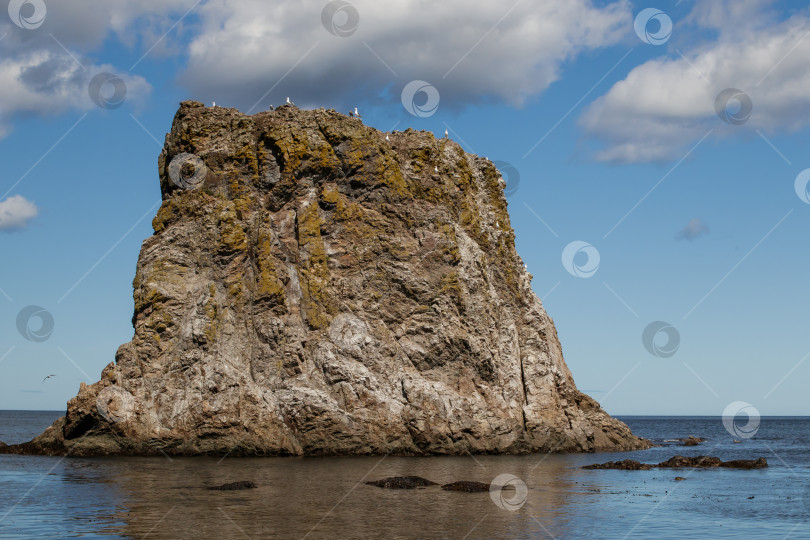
[{"x": 243, "y": 53}]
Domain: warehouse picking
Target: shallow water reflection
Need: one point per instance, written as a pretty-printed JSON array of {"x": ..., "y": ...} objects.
[{"x": 326, "y": 497}]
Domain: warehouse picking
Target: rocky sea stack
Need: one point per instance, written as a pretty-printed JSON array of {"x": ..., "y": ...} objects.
[{"x": 315, "y": 286}]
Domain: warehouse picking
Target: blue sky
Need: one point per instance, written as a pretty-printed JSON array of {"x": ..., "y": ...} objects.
[{"x": 617, "y": 143}]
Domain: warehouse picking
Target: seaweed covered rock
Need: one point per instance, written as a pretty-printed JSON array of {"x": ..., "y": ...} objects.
[{"x": 315, "y": 286}]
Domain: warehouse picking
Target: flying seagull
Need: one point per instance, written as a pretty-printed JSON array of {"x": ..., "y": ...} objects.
[{"x": 48, "y": 377}]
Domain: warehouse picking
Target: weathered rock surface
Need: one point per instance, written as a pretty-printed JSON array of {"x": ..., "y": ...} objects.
[
  {"x": 313, "y": 288},
  {"x": 682, "y": 462},
  {"x": 402, "y": 482}
]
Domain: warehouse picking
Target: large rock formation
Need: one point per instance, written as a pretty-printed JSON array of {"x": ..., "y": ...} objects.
[{"x": 315, "y": 286}]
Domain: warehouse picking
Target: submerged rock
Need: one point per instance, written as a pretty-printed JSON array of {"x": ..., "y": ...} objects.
[
  {"x": 682, "y": 462},
  {"x": 759, "y": 463},
  {"x": 314, "y": 287},
  {"x": 234, "y": 486},
  {"x": 402, "y": 482},
  {"x": 624, "y": 465},
  {"x": 466, "y": 487}
]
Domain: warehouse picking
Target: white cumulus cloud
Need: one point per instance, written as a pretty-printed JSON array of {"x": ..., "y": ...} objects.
[
  {"x": 47, "y": 70},
  {"x": 15, "y": 212},
  {"x": 667, "y": 104},
  {"x": 235, "y": 52},
  {"x": 471, "y": 51},
  {"x": 45, "y": 82}
]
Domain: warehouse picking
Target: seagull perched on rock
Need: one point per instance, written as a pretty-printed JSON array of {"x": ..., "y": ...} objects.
[
  {"x": 289, "y": 102},
  {"x": 386, "y": 138},
  {"x": 446, "y": 134},
  {"x": 213, "y": 103},
  {"x": 435, "y": 169}
]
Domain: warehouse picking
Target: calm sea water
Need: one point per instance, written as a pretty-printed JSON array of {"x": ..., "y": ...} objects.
[{"x": 48, "y": 497}]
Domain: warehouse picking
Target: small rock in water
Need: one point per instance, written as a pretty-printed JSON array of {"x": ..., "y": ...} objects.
[
  {"x": 2, "y": 444},
  {"x": 693, "y": 441},
  {"x": 234, "y": 486},
  {"x": 624, "y": 465},
  {"x": 402, "y": 482},
  {"x": 680, "y": 462},
  {"x": 698, "y": 461},
  {"x": 679, "y": 478},
  {"x": 759, "y": 463},
  {"x": 466, "y": 487}
]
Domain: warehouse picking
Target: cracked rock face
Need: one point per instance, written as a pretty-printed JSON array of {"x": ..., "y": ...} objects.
[{"x": 313, "y": 288}]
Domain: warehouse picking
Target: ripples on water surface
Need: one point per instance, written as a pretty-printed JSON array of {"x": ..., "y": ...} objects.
[{"x": 324, "y": 498}]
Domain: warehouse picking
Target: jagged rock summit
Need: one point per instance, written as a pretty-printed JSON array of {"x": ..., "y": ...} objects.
[{"x": 315, "y": 287}]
